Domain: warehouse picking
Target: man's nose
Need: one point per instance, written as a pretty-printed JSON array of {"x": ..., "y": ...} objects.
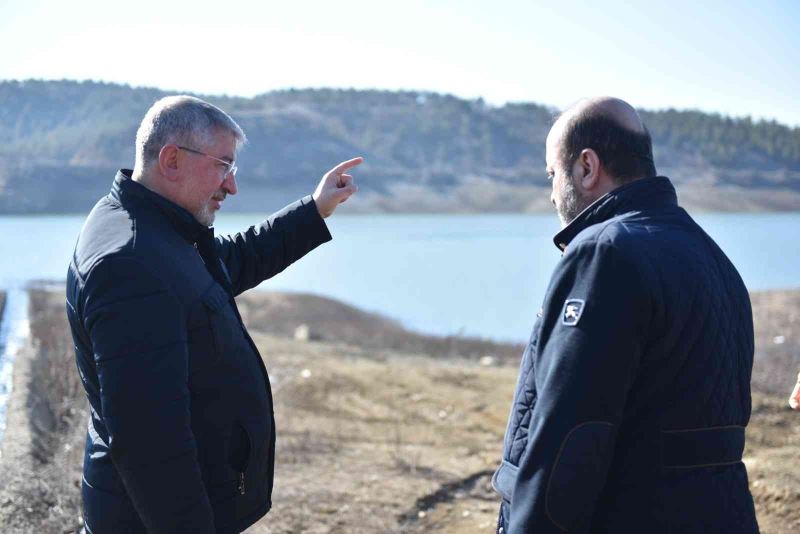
[{"x": 229, "y": 184}]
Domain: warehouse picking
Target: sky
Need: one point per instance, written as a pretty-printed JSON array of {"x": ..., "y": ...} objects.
[{"x": 733, "y": 57}]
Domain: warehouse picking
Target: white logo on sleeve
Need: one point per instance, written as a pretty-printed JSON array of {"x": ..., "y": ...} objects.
[{"x": 573, "y": 309}]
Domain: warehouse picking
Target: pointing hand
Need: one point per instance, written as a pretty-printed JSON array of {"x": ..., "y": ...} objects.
[{"x": 335, "y": 187}]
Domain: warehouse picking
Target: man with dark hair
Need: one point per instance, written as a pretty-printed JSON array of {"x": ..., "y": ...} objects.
[
  {"x": 634, "y": 390},
  {"x": 181, "y": 435}
]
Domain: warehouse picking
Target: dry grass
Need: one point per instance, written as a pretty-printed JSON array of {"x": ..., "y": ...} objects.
[
  {"x": 42, "y": 494},
  {"x": 772, "y": 457},
  {"x": 776, "y": 315},
  {"x": 280, "y": 314},
  {"x": 365, "y": 439},
  {"x": 379, "y": 430},
  {"x": 773, "y": 436}
]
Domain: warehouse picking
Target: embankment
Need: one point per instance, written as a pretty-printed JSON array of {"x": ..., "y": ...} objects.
[{"x": 379, "y": 429}]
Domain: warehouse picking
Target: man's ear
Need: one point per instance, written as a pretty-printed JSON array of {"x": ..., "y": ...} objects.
[
  {"x": 589, "y": 169},
  {"x": 168, "y": 162}
]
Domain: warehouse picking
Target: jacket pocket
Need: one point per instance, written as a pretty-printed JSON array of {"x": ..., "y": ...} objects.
[
  {"x": 240, "y": 454},
  {"x": 215, "y": 301},
  {"x": 504, "y": 479},
  {"x": 579, "y": 473},
  {"x": 211, "y": 326},
  {"x": 203, "y": 354}
]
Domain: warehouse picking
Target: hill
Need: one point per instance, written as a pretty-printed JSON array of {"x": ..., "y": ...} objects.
[{"x": 61, "y": 142}]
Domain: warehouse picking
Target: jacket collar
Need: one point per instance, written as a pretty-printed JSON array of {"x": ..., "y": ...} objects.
[
  {"x": 637, "y": 195},
  {"x": 180, "y": 219}
]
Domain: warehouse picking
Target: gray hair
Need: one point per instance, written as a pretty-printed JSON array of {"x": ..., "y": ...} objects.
[{"x": 183, "y": 120}]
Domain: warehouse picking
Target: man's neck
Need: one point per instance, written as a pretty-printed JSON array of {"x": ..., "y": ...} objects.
[{"x": 146, "y": 180}]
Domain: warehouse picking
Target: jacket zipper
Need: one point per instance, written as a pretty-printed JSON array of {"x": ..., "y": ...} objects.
[
  {"x": 196, "y": 249},
  {"x": 250, "y": 444}
]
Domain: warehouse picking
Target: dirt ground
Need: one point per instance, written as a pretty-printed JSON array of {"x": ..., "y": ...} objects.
[
  {"x": 373, "y": 442},
  {"x": 370, "y": 439}
]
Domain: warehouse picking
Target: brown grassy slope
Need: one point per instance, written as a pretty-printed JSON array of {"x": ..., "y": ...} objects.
[
  {"x": 280, "y": 314},
  {"x": 371, "y": 439}
]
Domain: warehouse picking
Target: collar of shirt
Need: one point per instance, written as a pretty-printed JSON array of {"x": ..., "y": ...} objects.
[
  {"x": 183, "y": 221},
  {"x": 656, "y": 191}
]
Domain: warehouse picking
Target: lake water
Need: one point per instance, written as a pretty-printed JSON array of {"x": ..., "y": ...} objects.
[{"x": 482, "y": 275}]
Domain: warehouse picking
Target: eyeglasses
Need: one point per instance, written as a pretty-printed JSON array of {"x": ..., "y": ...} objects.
[{"x": 230, "y": 166}]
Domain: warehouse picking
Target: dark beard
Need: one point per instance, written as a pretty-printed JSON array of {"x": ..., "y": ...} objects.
[{"x": 572, "y": 203}]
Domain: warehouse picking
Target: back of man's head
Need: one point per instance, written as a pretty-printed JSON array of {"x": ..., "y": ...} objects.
[
  {"x": 182, "y": 120},
  {"x": 613, "y": 129}
]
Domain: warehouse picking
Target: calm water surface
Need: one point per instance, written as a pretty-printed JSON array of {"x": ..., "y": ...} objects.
[{"x": 482, "y": 275}]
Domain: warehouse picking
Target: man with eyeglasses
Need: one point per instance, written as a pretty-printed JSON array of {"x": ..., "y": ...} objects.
[{"x": 181, "y": 436}]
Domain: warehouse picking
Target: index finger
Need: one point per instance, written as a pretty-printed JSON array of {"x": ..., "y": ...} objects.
[{"x": 349, "y": 164}]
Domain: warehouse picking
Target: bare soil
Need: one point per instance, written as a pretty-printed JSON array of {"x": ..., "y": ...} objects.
[{"x": 379, "y": 429}]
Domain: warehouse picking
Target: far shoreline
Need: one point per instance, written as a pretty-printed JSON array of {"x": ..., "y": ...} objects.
[{"x": 299, "y": 308}]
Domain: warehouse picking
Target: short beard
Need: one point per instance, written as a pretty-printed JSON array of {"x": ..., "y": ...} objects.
[
  {"x": 572, "y": 203},
  {"x": 205, "y": 215}
]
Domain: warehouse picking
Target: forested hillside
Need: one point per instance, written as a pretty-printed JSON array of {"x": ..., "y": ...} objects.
[{"x": 61, "y": 142}]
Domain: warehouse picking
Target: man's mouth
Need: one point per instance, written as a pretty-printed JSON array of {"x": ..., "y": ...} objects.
[{"x": 218, "y": 199}]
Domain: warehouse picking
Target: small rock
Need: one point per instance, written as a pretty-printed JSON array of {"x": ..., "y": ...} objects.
[
  {"x": 442, "y": 414},
  {"x": 305, "y": 373},
  {"x": 465, "y": 513},
  {"x": 487, "y": 360},
  {"x": 421, "y": 514},
  {"x": 302, "y": 333}
]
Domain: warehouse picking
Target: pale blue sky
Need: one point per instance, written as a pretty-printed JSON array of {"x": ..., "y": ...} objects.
[{"x": 734, "y": 57}]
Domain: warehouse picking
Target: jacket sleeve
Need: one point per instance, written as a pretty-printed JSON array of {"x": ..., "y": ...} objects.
[
  {"x": 583, "y": 371},
  {"x": 267, "y": 249},
  {"x": 138, "y": 335}
]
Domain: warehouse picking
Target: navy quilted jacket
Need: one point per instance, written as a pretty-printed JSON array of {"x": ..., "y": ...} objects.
[
  {"x": 634, "y": 391},
  {"x": 181, "y": 436}
]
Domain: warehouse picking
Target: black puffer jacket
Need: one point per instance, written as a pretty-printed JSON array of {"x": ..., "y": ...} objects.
[
  {"x": 634, "y": 391},
  {"x": 181, "y": 436}
]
